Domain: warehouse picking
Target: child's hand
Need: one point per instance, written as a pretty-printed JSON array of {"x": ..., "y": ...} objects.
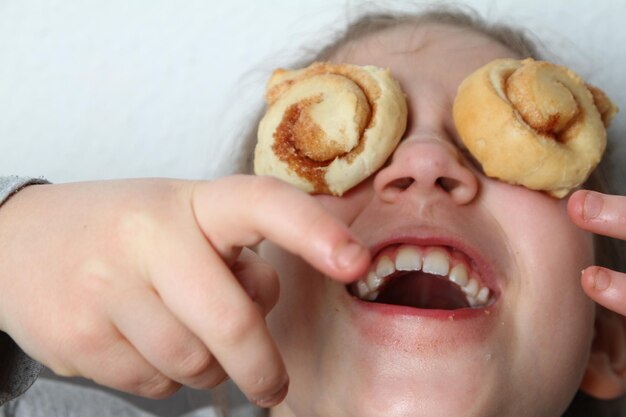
[
  {"x": 605, "y": 215},
  {"x": 142, "y": 285}
]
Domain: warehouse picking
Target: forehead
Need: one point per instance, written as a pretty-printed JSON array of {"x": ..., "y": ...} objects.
[{"x": 440, "y": 51}]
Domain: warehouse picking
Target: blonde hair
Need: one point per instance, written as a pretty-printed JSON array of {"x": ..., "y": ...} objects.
[{"x": 609, "y": 252}]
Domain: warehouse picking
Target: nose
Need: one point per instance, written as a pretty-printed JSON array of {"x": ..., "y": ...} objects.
[{"x": 426, "y": 164}]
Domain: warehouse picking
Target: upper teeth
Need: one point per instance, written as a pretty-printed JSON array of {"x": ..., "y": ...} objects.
[{"x": 436, "y": 261}]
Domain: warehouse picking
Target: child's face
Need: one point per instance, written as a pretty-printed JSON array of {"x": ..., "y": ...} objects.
[{"x": 524, "y": 354}]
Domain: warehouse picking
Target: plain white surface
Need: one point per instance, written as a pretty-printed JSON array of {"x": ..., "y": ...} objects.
[{"x": 99, "y": 89}]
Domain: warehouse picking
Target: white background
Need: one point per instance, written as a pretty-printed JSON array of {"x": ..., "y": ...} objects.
[{"x": 99, "y": 89}]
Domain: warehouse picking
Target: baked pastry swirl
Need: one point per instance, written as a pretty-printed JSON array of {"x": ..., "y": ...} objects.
[
  {"x": 533, "y": 123},
  {"x": 327, "y": 127}
]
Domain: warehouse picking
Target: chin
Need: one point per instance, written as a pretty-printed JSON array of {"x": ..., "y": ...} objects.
[
  {"x": 467, "y": 397},
  {"x": 393, "y": 384}
]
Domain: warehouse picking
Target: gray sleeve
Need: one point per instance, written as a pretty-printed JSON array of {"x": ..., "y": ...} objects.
[
  {"x": 52, "y": 398},
  {"x": 48, "y": 398},
  {"x": 12, "y": 184},
  {"x": 17, "y": 370}
]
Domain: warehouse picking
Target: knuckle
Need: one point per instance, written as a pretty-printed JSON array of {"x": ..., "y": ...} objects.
[
  {"x": 87, "y": 337},
  {"x": 194, "y": 364},
  {"x": 133, "y": 378},
  {"x": 267, "y": 190},
  {"x": 210, "y": 379},
  {"x": 97, "y": 281},
  {"x": 157, "y": 386},
  {"x": 133, "y": 226},
  {"x": 237, "y": 326},
  {"x": 268, "y": 184}
]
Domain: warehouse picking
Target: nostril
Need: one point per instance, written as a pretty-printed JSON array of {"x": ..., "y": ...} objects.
[
  {"x": 448, "y": 184},
  {"x": 401, "y": 183},
  {"x": 445, "y": 183}
]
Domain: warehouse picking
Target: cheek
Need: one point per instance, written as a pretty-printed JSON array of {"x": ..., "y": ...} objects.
[
  {"x": 552, "y": 316},
  {"x": 539, "y": 231},
  {"x": 550, "y": 252},
  {"x": 347, "y": 207}
]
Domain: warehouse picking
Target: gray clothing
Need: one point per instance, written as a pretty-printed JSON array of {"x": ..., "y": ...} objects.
[
  {"x": 17, "y": 370},
  {"x": 11, "y": 185},
  {"x": 51, "y": 398}
]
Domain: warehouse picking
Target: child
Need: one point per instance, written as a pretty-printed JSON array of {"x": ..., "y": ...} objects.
[{"x": 157, "y": 291}]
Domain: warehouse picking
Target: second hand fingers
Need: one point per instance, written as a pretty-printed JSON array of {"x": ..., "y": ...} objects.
[
  {"x": 140, "y": 315},
  {"x": 209, "y": 300},
  {"x": 599, "y": 213},
  {"x": 606, "y": 287},
  {"x": 112, "y": 361}
]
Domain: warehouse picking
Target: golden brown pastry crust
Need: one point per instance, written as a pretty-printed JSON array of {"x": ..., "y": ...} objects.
[
  {"x": 533, "y": 123},
  {"x": 328, "y": 127}
]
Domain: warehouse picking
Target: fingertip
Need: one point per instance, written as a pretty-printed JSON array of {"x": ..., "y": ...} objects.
[
  {"x": 350, "y": 255},
  {"x": 575, "y": 205},
  {"x": 587, "y": 278},
  {"x": 273, "y": 399},
  {"x": 601, "y": 279},
  {"x": 606, "y": 287},
  {"x": 345, "y": 260},
  {"x": 595, "y": 281}
]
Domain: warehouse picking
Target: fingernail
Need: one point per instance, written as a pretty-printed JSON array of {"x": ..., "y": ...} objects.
[
  {"x": 592, "y": 206},
  {"x": 348, "y": 254},
  {"x": 273, "y": 399},
  {"x": 601, "y": 280}
]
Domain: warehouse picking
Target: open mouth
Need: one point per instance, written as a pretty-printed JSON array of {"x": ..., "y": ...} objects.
[{"x": 433, "y": 277}]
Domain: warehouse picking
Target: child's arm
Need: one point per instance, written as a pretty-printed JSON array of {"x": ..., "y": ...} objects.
[
  {"x": 142, "y": 285},
  {"x": 605, "y": 215}
]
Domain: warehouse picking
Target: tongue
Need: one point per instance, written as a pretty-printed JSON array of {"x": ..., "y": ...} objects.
[{"x": 422, "y": 290}]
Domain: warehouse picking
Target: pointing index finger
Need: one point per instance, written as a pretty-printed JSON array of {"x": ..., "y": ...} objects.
[{"x": 243, "y": 210}]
